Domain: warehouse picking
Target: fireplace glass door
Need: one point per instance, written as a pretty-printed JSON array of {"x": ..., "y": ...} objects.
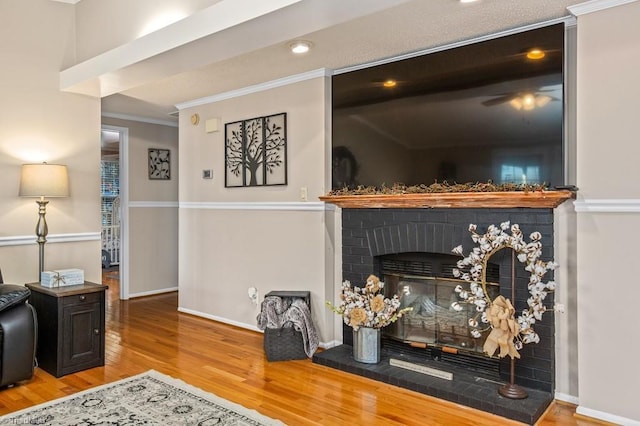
[{"x": 433, "y": 322}]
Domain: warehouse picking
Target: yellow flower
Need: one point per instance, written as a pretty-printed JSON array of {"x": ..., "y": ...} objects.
[
  {"x": 358, "y": 316},
  {"x": 373, "y": 284},
  {"x": 377, "y": 304}
]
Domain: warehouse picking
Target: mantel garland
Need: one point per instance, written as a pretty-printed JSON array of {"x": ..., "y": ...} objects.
[
  {"x": 508, "y": 333},
  {"x": 438, "y": 188}
]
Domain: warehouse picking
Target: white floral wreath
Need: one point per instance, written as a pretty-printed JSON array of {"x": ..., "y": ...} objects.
[{"x": 507, "y": 332}]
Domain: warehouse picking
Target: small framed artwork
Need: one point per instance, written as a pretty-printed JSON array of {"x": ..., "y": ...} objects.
[
  {"x": 159, "y": 164},
  {"x": 256, "y": 151}
]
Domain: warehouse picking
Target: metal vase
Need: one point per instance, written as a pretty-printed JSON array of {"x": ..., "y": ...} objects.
[{"x": 366, "y": 345}]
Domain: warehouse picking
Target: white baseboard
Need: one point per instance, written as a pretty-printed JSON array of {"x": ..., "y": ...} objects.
[
  {"x": 323, "y": 345},
  {"x": 566, "y": 398},
  {"x": 331, "y": 344},
  {"x": 607, "y": 417},
  {"x": 153, "y": 292},
  {"x": 219, "y": 319}
]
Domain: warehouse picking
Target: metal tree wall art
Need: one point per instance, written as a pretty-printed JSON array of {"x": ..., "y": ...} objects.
[
  {"x": 256, "y": 151},
  {"x": 507, "y": 332}
]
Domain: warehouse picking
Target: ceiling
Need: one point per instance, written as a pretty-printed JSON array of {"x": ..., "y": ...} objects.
[{"x": 345, "y": 34}]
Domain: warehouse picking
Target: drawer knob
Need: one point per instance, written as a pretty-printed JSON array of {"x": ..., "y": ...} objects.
[
  {"x": 96, "y": 331},
  {"x": 83, "y": 298}
]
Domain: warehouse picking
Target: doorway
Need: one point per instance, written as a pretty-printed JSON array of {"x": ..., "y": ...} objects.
[{"x": 114, "y": 201}]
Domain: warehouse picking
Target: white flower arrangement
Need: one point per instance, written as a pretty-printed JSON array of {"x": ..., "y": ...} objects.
[
  {"x": 508, "y": 332},
  {"x": 366, "y": 307}
]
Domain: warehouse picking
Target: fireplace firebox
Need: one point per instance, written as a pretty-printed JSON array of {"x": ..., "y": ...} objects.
[{"x": 425, "y": 282}]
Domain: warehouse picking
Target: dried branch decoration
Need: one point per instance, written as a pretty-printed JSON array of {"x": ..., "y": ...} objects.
[{"x": 439, "y": 187}]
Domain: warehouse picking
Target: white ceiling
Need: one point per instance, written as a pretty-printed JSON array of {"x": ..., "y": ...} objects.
[{"x": 345, "y": 33}]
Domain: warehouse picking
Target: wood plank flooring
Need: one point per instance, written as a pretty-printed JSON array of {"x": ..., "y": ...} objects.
[{"x": 149, "y": 333}]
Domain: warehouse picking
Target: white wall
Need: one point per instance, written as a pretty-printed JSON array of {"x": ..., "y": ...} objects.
[
  {"x": 40, "y": 123},
  {"x": 104, "y": 25},
  {"x": 264, "y": 237},
  {"x": 607, "y": 171}
]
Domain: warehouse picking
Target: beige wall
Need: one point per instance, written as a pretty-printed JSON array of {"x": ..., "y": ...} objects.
[
  {"x": 264, "y": 237},
  {"x": 304, "y": 104},
  {"x": 607, "y": 169},
  {"x": 566, "y": 322},
  {"x": 39, "y": 123},
  {"x": 143, "y": 136},
  {"x": 152, "y": 207}
]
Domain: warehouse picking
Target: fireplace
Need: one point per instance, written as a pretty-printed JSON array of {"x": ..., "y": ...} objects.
[{"x": 410, "y": 249}]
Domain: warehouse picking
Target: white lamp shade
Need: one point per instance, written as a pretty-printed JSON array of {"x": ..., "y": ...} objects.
[{"x": 44, "y": 180}]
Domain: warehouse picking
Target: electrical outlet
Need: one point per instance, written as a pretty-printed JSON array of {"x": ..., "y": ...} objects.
[
  {"x": 252, "y": 292},
  {"x": 303, "y": 193}
]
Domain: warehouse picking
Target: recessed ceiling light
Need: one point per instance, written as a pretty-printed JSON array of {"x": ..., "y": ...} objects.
[
  {"x": 300, "y": 46},
  {"x": 467, "y": 1},
  {"x": 390, "y": 83},
  {"x": 535, "y": 54}
]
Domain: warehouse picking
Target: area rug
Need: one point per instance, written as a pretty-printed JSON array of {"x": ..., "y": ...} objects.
[{"x": 150, "y": 398}]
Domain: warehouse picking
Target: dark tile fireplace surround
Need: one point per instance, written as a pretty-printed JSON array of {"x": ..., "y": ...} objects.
[{"x": 370, "y": 233}]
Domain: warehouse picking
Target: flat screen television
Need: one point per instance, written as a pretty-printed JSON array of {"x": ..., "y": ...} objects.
[{"x": 486, "y": 111}]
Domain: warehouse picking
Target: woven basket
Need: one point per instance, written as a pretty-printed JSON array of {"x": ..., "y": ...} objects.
[{"x": 283, "y": 344}]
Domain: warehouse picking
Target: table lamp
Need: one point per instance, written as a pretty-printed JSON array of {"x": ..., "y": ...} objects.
[{"x": 43, "y": 180}]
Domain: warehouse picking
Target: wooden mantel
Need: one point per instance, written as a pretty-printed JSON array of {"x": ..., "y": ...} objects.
[{"x": 534, "y": 199}]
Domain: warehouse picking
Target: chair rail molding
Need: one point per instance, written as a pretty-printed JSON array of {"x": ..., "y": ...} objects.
[
  {"x": 267, "y": 205},
  {"x": 153, "y": 204},
  {"x": 607, "y": 206},
  {"x": 21, "y": 240}
]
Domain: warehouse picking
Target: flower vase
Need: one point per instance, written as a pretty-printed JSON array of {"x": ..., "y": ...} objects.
[{"x": 366, "y": 345}]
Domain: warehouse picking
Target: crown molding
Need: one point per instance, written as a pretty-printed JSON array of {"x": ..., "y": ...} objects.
[
  {"x": 595, "y": 6},
  {"x": 322, "y": 72},
  {"x": 139, "y": 119}
]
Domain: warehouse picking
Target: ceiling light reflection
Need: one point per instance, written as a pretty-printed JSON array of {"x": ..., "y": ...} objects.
[
  {"x": 529, "y": 101},
  {"x": 535, "y": 54}
]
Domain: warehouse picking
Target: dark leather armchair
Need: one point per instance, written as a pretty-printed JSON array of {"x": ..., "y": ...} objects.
[{"x": 18, "y": 331}]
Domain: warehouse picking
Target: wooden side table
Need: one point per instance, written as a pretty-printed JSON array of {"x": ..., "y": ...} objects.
[{"x": 71, "y": 326}]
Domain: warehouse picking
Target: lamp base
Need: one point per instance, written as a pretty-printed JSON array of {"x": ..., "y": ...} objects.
[{"x": 41, "y": 232}]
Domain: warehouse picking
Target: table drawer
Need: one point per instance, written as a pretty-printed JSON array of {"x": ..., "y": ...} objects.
[{"x": 78, "y": 299}]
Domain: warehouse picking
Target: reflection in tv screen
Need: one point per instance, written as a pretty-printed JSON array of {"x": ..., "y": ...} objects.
[{"x": 481, "y": 112}]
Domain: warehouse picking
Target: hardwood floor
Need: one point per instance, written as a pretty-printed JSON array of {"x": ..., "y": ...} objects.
[{"x": 149, "y": 333}]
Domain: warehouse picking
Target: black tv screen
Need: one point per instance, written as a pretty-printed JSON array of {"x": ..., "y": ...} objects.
[{"x": 487, "y": 111}]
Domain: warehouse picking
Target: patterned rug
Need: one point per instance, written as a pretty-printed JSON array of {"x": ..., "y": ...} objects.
[{"x": 150, "y": 398}]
